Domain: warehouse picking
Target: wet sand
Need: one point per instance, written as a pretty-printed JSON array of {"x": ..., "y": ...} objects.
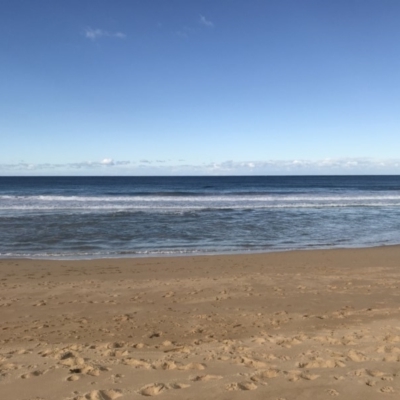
[{"x": 295, "y": 325}]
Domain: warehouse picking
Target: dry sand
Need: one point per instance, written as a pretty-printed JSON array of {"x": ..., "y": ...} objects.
[{"x": 294, "y": 325}]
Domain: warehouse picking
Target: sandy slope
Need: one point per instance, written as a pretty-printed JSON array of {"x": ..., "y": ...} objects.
[{"x": 296, "y": 325}]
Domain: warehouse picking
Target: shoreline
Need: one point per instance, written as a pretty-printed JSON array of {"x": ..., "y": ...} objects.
[
  {"x": 199, "y": 254},
  {"x": 295, "y": 325}
]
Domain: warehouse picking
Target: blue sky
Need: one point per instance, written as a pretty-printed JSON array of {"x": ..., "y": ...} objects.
[{"x": 115, "y": 87}]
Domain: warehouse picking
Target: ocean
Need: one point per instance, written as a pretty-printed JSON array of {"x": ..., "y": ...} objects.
[{"x": 96, "y": 217}]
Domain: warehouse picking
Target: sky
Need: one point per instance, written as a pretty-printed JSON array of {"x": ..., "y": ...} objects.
[{"x": 179, "y": 87}]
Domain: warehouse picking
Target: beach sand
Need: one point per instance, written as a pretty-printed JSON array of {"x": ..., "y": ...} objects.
[{"x": 294, "y": 325}]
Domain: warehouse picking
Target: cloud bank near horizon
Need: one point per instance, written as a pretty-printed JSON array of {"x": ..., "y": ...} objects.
[{"x": 109, "y": 166}]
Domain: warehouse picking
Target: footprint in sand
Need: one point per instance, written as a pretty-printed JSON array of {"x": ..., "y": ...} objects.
[
  {"x": 241, "y": 386},
  {"x": 321, "y": 363},
  {"x": 391, "y": 358},
  {"x": 295, "y": 375},
  {"x": 247, "y": 386},
  {"x": 193, "y": 366},
  {"x": 333, "y": 392},
  {"x": 152, "y": 390},
  {"x": 374, "y": 372},
  {"x": 10, "y": 367},
  {"x": 32, "y": 374},
  {"x": 100, "y": 395},
  {"x": 178, "y": 386},
  {"x": 392, "y": 338},
  {"x": 206, "y": 378},
  {"x": 165, "y": 365},
  {"x": 141, "y": 364},
  {"x": 356, "y": 356},
  {"x": 70, "y": 359},
  {"x": 265, "y": 375},
  {"x": 387, "y": 389},
  {"x": 309, "y": 377},
  {"x": 40, "y": 304},
  {"x": 248, "y": 362}
]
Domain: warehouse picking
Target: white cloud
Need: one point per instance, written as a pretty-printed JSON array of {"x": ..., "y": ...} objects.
[
  {"x": 107, "y": 161},
  {"x": 204, "y": 21},
  {"x": 94, "y": 34}
]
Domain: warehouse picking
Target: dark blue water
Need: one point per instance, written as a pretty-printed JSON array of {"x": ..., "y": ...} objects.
[{"x": 119, "y": 216}]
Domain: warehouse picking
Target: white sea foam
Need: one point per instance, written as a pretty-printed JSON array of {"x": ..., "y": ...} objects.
[
  {"x": 182, "y": 208},
  {"x": 210, "y": 198}
]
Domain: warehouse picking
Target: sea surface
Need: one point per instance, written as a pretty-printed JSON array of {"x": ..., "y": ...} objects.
[{"x": 95, "y": 217}]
